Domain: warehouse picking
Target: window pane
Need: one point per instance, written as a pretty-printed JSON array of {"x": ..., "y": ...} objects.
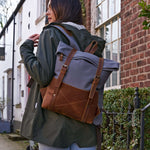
[
  {"x": 115, "y": 51},
  {"x": 98, "y": 1},
  {"x": 114, "y": 78},
  {"x": 119, "y": 27},
  {"x": 108, "y": 33},
  {"x": 105, "y": 10},
  {"x": 108, "y": 82},
  {"x": 111, "y": 8},
  {"x": 119, "y": 49},
  {"x": 115, "y": 30},
  {"x": 102, "y": 32},
  {"x": 108, "y": 51},
  {"x": 99, "y": 17},
  {"x": 44, "y": 5},
  {"x": 118, "y": 6}
]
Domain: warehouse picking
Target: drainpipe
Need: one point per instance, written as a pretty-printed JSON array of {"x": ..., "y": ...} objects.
[{"x": 13, "y": 52}]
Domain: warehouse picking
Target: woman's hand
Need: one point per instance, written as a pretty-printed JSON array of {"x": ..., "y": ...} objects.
[{"x": 35, "y": 39}]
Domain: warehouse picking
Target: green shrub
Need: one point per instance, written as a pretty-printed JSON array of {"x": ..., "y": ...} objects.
[
  {"x": 121, "y": 102},
  {"x": 145, "y": 12}
]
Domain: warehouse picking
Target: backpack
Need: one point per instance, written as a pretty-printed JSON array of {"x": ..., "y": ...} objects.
[{"x": 74, "y": 89}]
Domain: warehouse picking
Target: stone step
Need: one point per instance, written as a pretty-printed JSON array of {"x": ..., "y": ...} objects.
[{"x": 15, "y": 137}]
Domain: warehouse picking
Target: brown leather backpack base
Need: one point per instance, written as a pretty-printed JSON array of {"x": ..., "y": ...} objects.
[{"x": 70, "y": 101}]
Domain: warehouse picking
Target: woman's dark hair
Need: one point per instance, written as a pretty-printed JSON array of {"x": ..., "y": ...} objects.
[{"x": 67, "y": 10}]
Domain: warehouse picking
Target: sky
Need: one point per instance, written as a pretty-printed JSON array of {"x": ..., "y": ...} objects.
[{"x": 11, "y": 5}]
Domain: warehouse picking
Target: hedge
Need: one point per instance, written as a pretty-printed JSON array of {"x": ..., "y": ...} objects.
[{"x": 120, "y": 101}]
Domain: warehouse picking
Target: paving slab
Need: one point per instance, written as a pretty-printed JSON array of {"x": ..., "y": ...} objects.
[{"x": 7, "y": 144}]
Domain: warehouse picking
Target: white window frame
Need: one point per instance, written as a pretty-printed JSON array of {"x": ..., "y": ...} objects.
[
  {"x": 19, "y": 25},
  {"x": 18, "y": 85},
  {"x": 41, "y": 10},
  {"x": 103, "y": 24}
]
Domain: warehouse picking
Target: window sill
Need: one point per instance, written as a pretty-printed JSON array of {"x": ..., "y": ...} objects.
[
  {"x": 39, "y": 18},
  {"x": 113, "y": 87}
]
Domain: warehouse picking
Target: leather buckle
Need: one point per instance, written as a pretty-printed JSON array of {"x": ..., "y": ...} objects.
[{"x": 65, "y": 66}]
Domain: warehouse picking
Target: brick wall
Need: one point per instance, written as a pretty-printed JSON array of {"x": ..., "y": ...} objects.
[{"x": 135, "y": 47}]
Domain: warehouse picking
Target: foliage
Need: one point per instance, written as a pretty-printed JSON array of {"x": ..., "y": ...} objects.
[
  {"x": 83, "y": 8},
  {"x": 119, "y": 104},
  {"x": 83, "y": 11},
  {"x": 145, "y": 12}
]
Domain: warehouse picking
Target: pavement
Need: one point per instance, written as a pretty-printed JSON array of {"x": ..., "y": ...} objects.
[{"x": 8, "y": 144}]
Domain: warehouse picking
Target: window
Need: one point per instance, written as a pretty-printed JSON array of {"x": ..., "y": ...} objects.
[
  {"x": 107, "y": 9},
  {"x": 19, "y": 23},
  {"x": 2, "y": 53},
  {"x": 18, "y": 85},
  {"x": 109, "y": 26},
  {"x": 41, "y": 7},
  {"x": 41, "y": 10}
]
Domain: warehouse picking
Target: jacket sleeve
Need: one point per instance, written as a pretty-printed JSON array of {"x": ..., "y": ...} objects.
[{"x": 40, "y": 66}]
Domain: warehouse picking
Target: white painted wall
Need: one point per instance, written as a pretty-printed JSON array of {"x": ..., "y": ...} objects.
[
  {"x": 4, "y": 65},
  {"x": 28, "y": 7}
]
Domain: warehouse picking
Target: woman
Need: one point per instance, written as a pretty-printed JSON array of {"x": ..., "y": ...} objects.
[{"x": 51, "y": 130}]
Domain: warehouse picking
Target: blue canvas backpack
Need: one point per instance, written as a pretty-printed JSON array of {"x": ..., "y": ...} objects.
[{"x": 76, "y": 89}]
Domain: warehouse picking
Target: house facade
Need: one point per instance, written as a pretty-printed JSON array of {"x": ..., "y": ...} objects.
[
  {"x": 114, "y": 20},
  {"x": 29, "y": 18},
  {"x": 118, "y": 23}
]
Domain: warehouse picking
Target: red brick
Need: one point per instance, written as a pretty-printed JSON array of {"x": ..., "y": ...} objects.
[
  {"x": 142, "y": 40},
  {"x": 141, "y": 77},
  {"x": 148, "y": 61},
  {"x": 147, "y": 54},
  {"x": 147, "y": 84},
  {"x": 127, "y": 80},
  {"x": 133, "y": 3},
  {"x": 134, "y": 43},
  {"x": 148, "y": 76},
  {"x": 141, "y": 84},
  {"x": 142, "y": 48},
  {"x": 148, "y": 45},
  {"x": 134, "y": 84},
  {"x": 123, "y": 74},
  {"x": 141, "y": 34},
  {"x": 127, "y": 73},
  {"x": 134, "y": 79},
  {"x": 134, "y": 65},
  {"x": 134, "y": 57},
  {"x": 134, "y": 72},
  {"x": 134, "y": 37},
  {"x": 134, "y": 51},
  {"x": 142, "y": 55},
  {"x": 127, "y": 53},
  {"x": 141, "y": 63},
  {"x": 127, "y": 66},
  {"x": 147, "y": 68},
  {"x": 135, "y": 16},
  {"x": 141, "y": 70}
]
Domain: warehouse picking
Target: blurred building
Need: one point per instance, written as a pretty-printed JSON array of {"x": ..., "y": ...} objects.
[{"x": 116, "y": 21}]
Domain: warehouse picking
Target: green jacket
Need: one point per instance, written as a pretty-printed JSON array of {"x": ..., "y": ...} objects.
[{"x": 42, "y": 125}]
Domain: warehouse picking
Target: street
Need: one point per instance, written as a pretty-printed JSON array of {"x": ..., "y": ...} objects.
[{"x": 7, "y": 144}]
